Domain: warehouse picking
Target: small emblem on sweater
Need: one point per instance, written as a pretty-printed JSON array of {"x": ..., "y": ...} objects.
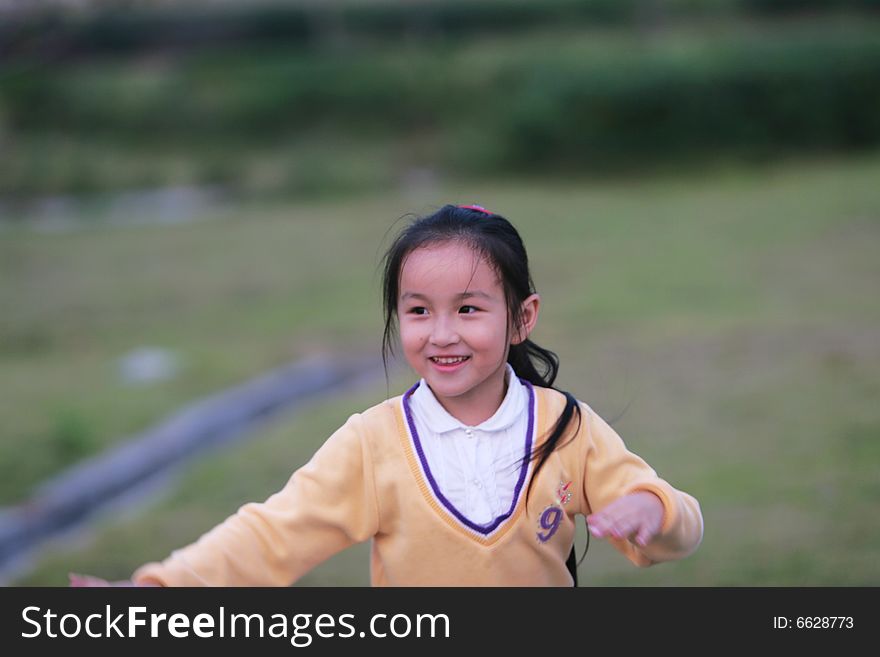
[{"x": 563, "y": 494}]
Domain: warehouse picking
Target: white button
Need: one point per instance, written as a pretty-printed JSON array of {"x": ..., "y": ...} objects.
[
  {"x": 477, "y": 483},
  {"x": 469, "y": 432}
]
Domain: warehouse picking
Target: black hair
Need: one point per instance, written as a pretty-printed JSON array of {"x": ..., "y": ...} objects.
[{"x": 494, "y": 238}]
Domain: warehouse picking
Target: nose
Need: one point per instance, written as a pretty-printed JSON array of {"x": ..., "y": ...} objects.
[{"x": 443, "y": 332}]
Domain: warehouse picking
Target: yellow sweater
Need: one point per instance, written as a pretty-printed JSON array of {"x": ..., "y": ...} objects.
[{"x": 369, "y": 481}]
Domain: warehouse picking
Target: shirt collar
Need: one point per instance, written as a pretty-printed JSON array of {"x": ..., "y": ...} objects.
[{"x": 431, "y": 412}]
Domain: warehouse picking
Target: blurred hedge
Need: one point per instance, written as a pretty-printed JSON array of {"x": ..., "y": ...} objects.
[
  {"x": 187, "y": 26},
  {"x": 585, "y": 101},
  {"x": 677, "y": 93},
  {"x": 762, "y": 96}
]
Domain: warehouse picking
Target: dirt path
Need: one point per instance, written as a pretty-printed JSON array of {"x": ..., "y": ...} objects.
[{"x": 123, "y": 475}]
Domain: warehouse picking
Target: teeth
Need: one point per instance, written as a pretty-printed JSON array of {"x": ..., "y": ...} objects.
[{"x": 449, "y": 361}]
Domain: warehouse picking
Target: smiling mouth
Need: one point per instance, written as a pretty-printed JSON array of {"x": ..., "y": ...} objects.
[{"x": 449, "y": 360}]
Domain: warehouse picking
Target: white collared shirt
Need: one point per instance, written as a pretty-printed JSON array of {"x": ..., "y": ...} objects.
[{"x": 476, "y": 468}]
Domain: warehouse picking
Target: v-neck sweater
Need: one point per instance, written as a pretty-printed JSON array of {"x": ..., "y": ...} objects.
[
  {"x": 475, "y": 467},
  {"x": 369, "y": 482}
]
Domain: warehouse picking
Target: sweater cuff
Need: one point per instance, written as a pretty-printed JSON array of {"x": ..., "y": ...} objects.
[{"x": 149, "y": 574}]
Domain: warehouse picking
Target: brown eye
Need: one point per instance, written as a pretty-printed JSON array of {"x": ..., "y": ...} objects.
[{"x": 467, "y": 310}]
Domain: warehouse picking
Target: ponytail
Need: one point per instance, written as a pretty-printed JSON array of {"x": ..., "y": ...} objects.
[{"x": 522, "y": 358}]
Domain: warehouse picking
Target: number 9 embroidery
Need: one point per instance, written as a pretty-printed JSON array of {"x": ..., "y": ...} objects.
[{"x": 550, "y": 520}]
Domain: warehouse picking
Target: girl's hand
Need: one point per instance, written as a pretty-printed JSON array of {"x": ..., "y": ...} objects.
[
  {"x": 636, "y": 517},
  {"x": 88, "y": 581}
]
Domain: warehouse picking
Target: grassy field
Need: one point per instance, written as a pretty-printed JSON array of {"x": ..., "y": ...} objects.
[{"x": 726, "y": 323}]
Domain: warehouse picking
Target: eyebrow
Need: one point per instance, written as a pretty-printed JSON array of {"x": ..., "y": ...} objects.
[{"x": 462, "y": 295}]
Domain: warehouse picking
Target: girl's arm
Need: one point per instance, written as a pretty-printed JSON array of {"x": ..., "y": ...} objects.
[
  {"x": 326, "y": 506},
  {"x": 639, "y": 513}
]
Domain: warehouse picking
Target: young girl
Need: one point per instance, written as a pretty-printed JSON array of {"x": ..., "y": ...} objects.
[{"x": 475, "y": 475}]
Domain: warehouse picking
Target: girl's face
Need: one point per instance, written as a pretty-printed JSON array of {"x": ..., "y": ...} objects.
[{"x": 455, "y": 328}]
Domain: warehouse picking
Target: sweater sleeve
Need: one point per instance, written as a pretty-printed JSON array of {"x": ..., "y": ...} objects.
[
  {"x": 612, "y": 471},
  {"x": 326, "y": 506}
]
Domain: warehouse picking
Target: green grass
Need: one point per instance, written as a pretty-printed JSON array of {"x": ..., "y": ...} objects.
[
  {"x": 727, "y": 323},
  {"x": 232, "y": 297}
]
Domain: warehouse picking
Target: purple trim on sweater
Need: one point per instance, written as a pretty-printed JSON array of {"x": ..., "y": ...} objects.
[{"x": 523, "y": 471}]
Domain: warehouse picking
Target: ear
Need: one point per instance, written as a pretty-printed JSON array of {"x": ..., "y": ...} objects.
[{"x": 529, "y": 316}]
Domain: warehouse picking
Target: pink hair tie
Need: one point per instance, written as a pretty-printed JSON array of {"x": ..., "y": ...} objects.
[{"x": 478, "y": 208}]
